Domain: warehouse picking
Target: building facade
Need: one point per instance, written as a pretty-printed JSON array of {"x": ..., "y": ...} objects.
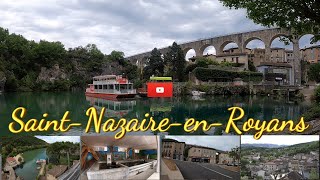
[
  {"x": 202, "y": 154},
  {"x": 173, "y": 149},
  {"x": 311, "y": 54}
]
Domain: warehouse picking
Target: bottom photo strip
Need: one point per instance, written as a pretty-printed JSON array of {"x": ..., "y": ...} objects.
[{"x": 273, "y": 157}]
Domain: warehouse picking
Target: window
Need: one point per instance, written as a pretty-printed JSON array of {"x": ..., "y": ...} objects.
[
  {"x": 105, "y": 87},
  {"x": 100, "y": 86},
  {"x": 110, "y": 86},
  {"x": 95, "y": 86}
]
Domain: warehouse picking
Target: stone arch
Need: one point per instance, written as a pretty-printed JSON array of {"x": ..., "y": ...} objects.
[
  {"x": 205, "y": 46},
  {"x": 189, "y": 53},
  {"x": 247, "y": 41},
  {"x": 225, "y": 43},
  {"x": 306, "y": 41},
  {"x": 275, "y": 37}
]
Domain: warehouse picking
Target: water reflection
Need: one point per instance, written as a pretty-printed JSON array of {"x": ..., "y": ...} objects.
[
  {"x": 114, "y": 108},
  {"x": 178, "y": 109}
]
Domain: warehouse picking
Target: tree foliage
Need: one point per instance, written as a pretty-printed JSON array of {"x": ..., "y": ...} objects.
[
  {"x": 155, "y": 64},
  {"x": 314, "y": 72},
  {"x": 175, "y": 62},
  {"x": 300, "y": 16},
  {"x": 21, "y": 61}
]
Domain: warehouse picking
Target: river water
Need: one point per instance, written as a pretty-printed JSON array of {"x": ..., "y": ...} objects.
[
  {"x": 29, "y": 168},
  {"x": 178, "y": 109}
]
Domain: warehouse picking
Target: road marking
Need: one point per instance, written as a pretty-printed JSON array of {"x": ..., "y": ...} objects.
[{"x": 215, "y": 171}]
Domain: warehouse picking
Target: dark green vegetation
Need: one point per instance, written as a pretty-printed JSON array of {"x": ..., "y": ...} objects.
[
  {"x": 29, "y": 65},
  {"x": 12, "y": 146},
  {"x": 277, "y": 152},
  {"x": 205, "y": 74},
  {"x": 300, "y": 16},
  {"x": 58, "y": 153},
  {"x": 314, "y": 111},
  {"x": 314, "y": 72},
  {"x": 170, "y": 64}
]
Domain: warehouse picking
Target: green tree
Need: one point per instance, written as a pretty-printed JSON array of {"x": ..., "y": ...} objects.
[
  {"x": 155, "y": 64},
  {"x": 117, "y": 56},
  {"x": 175, "y": 62},
  {"x": 314, "y": 72},
  {"x": 251, "y": 66},
  {"x": 314, "y": 174},
  {"x": 235, "y": 154},
  {"x": 300, "y": 16}
]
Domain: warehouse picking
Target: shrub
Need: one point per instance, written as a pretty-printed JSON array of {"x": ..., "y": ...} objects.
[
  {"x": 316, "y": 95},
  {"x": 205, "y": 74}
]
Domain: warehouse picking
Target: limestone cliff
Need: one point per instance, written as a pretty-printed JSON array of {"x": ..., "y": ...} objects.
[{"x": 52, "y": 74}]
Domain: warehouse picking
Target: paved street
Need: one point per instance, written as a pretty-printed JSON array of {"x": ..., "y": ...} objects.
[{"x": 191, "y": 170}]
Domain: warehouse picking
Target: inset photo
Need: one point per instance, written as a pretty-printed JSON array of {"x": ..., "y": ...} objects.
[
  {"x": 40, "y": 157},
  {"x": 280, "y": 157},
  {"x": 131, "y": 157},
  {"x": 200, "y": 157}
]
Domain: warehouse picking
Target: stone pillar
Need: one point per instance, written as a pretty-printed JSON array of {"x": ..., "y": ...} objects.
[
  {"x": 296, "y": 62},
  {"x": 111, "y": 152},
  {"x": 158, "y": 154},
  {"x": 198, "y": 52},
  {"x": 127, "y": 153}
]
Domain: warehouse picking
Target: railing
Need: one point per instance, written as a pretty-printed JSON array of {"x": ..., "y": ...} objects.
[
  {"x": 113, "y": 91},
  {"x": 142, "y": 167}
]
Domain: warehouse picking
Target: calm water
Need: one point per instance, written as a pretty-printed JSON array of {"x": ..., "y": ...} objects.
[
  {"x": 212, "y": 109},
  {"x": 29, "y": 169}
]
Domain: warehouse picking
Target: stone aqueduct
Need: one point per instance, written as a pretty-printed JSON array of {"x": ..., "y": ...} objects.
[{"x": 241, "y": 39}]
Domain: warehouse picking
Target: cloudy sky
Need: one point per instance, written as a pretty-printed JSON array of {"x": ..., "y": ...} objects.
[
  {"x": 224, "y": 143},
  {"x": 130, "y": 26},
  {"x": 280, "y": 140},
  {"x": 52, "y": 139}
]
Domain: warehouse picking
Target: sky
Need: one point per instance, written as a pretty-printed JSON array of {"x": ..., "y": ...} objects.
[
  {"x": 225, "y": 143},
  {"x": 129, "y": 26},
  {"x": 53, "y": 139},
  {"x": 279, "y": 139}
]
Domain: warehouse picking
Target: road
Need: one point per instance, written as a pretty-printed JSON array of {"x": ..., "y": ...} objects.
[
  {"x": 72, "y": 174},
  {"x": 192, "y": 170}
]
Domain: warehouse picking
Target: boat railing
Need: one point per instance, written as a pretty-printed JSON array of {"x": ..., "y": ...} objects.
[{"x": 113, "y": 91}]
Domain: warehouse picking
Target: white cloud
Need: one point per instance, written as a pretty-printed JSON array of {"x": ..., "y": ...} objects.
[
  {"x": 224, "y": 143},
  {"x": 128, "y": 26}
]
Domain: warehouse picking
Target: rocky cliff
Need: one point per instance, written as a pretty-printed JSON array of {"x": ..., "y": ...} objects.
[{"x": 52, "y": 74}]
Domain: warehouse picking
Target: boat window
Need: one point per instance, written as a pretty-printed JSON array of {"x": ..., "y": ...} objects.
[
  {"x": 95, "y": 86},
  {"x": 123, "y": 86},
  {"x": 130, "y": 86},
  {"x": 100, "y": 86},
  {"x": 117, "y": 86},
  {"x": 110, "y": 86},
  {"x": 105, "y": 87}
]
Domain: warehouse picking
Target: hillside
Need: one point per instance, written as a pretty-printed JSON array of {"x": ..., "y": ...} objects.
[
  {"x": 26, "y": 65},
  {"x": 271, "y": 150},
  {"x": 17, "y": 141},
  {"x": 261, "y": 145}
]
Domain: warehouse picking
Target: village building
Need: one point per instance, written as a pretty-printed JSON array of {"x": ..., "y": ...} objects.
[
  {"x": 311, "y": 54},
  {"x": 202, "y": 154},
  {"x": 173, "y": 149}
]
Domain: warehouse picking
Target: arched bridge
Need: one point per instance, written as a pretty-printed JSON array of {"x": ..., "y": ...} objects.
[{"x": 241, "y": 39}]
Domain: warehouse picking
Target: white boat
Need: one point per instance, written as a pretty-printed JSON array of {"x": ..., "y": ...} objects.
[
  {"x": 41, "y": 161},
  {"x": 198, "y": 93},
  {"x": 111, "y": 86}
]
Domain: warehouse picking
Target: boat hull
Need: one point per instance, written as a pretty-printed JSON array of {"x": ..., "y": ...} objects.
[{"x": 110, "y": 96}]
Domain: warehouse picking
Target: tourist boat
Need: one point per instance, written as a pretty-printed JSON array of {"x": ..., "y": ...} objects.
[
  {"x": 110, "y": 86},
  {"x": 198, "y": 93},
  {"x": 39, "y": 161}
]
